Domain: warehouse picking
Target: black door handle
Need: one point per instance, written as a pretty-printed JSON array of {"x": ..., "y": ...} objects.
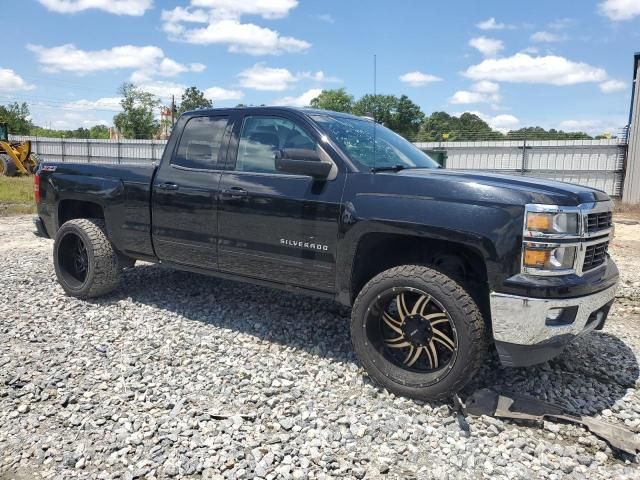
[
  {"x": 167, "y": 186},
  {"x": 235, "y": 193}
]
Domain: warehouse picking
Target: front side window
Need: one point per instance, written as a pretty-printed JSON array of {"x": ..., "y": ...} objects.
[
  {"x": 263, "y": 136},
  {"x": 200, "y": 143},
  {"x": 356, "y": 138}
]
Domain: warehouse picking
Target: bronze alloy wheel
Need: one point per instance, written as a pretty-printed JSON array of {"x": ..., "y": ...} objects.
[
  {"x": 417, "y": 332},
  {"x": 413, "y": 331}
]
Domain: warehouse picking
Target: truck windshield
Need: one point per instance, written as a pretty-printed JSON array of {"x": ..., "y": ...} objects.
[{"x": 355, "y": 137}]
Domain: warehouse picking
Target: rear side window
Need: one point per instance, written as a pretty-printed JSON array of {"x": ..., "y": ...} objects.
[{"x": 200, "y": 143}]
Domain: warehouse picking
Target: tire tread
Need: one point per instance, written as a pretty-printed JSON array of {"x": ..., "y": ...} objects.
[
  {"x": 107, "y": 269},
  {"x": 475, "y": 324}
]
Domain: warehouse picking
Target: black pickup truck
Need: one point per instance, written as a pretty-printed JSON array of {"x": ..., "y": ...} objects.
[{"x": 437, "y": 265}]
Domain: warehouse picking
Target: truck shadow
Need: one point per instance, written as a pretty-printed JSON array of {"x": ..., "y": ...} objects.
[{"x": 590, "y": 376}]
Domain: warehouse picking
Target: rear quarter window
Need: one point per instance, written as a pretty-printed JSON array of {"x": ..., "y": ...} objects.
[{"x": 200, "y": 143}]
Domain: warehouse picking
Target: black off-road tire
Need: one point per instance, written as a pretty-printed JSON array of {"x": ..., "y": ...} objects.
[
  {"x": 7, "y": 167},
  {"x": 103, "y": 268},
  {"x": 470, "y": 327}
]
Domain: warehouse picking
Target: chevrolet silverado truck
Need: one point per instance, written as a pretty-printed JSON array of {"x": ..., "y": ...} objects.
[{"x": 438, "y": 266}]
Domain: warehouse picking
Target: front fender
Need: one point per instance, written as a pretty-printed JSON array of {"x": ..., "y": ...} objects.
[{"x": 493, "y": 231}]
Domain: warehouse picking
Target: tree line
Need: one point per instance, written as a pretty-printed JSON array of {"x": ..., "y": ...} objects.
[
  {"x": 138, "y": 118},
  {"x": 404, "y": 117}
]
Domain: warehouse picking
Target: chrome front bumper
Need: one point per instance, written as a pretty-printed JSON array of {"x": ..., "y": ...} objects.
[{"x": 520, "y": 324}]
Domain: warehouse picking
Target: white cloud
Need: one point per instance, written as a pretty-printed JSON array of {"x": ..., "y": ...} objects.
[
  {"x": 504, "y": 122},
  {"x": 118, "y": 7},
  {"x": 318, "y": 76},
  {"x": 218, "y": 94},
  {"x": 47, "y": 116},
  {"x": 486, "y": 86},
  {"x": 598, "y": 126},
  {"x": 466, "y": 97},
  {"x": 197, "y": 67},
  {"x": 10, "y": 81},
  {"x": 492, "y": 24},
  {"x": 489, "y": 47},
  {"x": 303, "y": 100},
  {"x": 612, "y": 86},
  {"x": 561, "y": 23},
  {"x": 163, "y": 89},
  {"x": 523, "y": 68},
  {"x": 620, "y": 10},
  {"x": 223, "y": 25},
  {"x": 483, "y": 91},
  {"x": 547, "y": 37},
  {"x": 325, "y": 17},
  {"x": 418, "y": 79},
  {"x": 260, "y": 77},
  {"x": 105, "y": 103},
  {"x": 146, "y": 61},
  {"x": 268, "y": 9},
  {"x": 241, "y": 38}
]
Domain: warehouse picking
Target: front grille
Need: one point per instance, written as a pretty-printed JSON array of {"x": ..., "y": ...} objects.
[
  {"x": 598, "y": 221},
  {"x": 594, "y": 256}
]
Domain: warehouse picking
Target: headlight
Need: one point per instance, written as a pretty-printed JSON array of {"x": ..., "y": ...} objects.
[
  {"x": 548, "y": 258},
  {"x": 552, "y": 223}
]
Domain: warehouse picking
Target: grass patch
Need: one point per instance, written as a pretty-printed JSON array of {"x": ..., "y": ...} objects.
[
  {"x": 16, "y": 196},
  {"x": 626, "y": 210}
]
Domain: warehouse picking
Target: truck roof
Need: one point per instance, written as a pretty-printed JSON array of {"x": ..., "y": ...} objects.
[{"x": 275, "y": 108}]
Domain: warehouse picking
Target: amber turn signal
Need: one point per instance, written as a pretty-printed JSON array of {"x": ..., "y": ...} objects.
[
  {"x": 536, "y": 258},
  {"x": 539, "y": 222}
]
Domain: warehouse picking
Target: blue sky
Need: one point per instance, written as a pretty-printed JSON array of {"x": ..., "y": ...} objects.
[{"x": 563, "y": 64}]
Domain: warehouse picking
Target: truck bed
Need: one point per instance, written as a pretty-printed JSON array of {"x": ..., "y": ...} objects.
[{"x": 122, "y": 191}]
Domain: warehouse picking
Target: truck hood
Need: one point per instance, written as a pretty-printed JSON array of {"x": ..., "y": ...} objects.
[{"x": 510, "y": 189}]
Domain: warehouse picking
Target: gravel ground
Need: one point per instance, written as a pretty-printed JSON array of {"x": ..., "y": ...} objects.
[{"x": 178, "y": 375}]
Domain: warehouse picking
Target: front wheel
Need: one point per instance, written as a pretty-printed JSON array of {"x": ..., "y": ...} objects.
[{"x": 418, "y": 333}]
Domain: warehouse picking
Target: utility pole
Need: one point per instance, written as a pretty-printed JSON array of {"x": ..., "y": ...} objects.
[{"x": 173, "y": 110}]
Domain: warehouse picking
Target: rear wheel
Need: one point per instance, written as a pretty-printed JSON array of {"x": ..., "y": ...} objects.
[
  {"x": 418, "y": 333},
  {"x": 86, "y": 263},
  {"x": 7, "y": 167}
]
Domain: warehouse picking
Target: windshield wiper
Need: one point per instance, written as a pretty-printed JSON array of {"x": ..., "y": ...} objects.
[{"x": 388, "y": 168}]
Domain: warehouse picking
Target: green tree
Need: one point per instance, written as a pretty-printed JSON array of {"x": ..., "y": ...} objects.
[
  {"x": 407, "y": 118},
  {"x": 440, "y": 126},
  {"x": 99, "y": 131},
  {"x": 380, "y": 107},
  {"x": 16, "y": 116},
  {"x": 193, "y": 99},
  {"x": 337, "y": 100},
  {"x": 137, "y": 119},
  {"x": 473, "y": 128},
  {"x": 399, "y": 114},
  {"x": 539, "y": 133}
]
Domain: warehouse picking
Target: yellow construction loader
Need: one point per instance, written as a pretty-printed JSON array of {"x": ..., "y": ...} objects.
[{"x": 15, "y": 157}]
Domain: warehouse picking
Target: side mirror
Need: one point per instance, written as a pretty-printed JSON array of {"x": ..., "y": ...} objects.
[{"x": 302, "y": 162}]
